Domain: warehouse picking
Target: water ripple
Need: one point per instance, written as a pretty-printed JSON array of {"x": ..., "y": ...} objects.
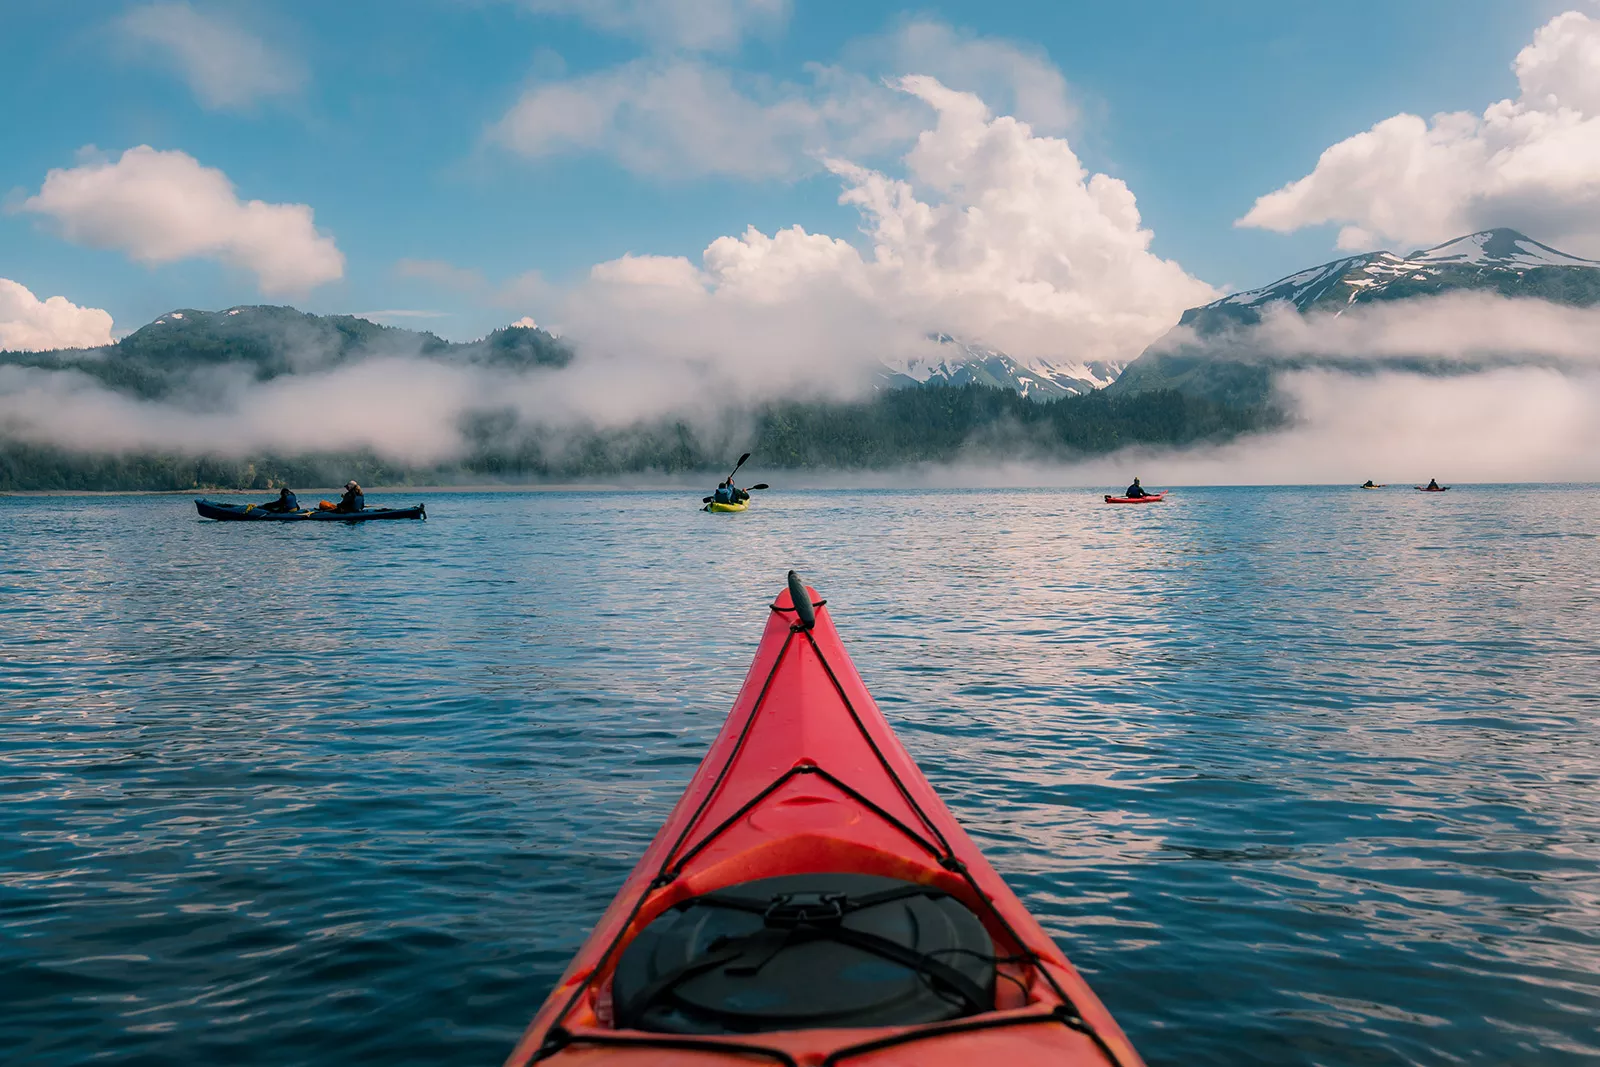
[{"x": 1296, "y": 777}]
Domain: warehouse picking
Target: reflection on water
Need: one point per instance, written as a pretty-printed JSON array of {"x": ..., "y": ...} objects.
[{"x": 1296, "y": 777}]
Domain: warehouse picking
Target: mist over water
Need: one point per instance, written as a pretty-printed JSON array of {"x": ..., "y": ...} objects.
[{"x": 1294, "y": 776}]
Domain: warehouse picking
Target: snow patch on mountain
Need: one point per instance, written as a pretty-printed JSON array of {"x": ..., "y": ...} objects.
[
  {"x": 1498, "y": 253},
  {"x": 1501, "y": 249},
  {"x": 1304, "y": 287}
]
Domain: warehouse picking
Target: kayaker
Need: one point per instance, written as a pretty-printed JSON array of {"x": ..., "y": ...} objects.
[
  {"x": 286, "y": 501},
  {"x": 1135, "y": 491},
  {"x": 1433, "y": 483},
  {"x": 353, "y": 499},
  {"x": 1369, "y": 484},
  {"x": 725, "y": 493}
]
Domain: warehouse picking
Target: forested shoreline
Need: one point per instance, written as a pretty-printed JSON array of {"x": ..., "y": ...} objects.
[{"x": 928, "y": 424}]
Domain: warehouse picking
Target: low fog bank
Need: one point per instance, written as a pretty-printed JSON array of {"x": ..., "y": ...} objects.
[
  {"x": 1509, "y": 393},
  {"x": 1505, "y": 425},
  {"x": 1458, "y": 330}
]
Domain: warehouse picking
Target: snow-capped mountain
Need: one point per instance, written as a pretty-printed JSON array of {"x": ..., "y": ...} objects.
[
  {"x": 966, "y": 364},
  {"x": 1198, "y": 357},
  {"x": 1499, "y": 260},
  {"x": 265, "y": 342}
]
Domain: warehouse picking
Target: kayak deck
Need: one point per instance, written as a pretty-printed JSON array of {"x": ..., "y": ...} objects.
[
  {"x": 210, "y": 509},
  {"x": 714, "y": 506},
  {"x": 806, "y": 778},
  {"x": 1153, "y": 498}
]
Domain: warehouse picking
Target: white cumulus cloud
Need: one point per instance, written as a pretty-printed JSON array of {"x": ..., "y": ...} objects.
[
  {"x": 1532, "y": 163},
  {"x": 995, "y": 234},
  {"x": 686, "y": 118},
  {"x": 683, "y": 116},
  {"x": 226, "y": 65},
  {"x": 1019, "y": 245},
  {"x": 1017, "y": 79},
  {"x": 28, "y": 324},
  {"x": 700, "y": 25},
  {"x": 160, "y": 207}
]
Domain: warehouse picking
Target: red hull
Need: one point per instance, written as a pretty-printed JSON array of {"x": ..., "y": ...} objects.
[
  {"x": 1153, "y": 498},
  {"x": 807, "y": 777}
]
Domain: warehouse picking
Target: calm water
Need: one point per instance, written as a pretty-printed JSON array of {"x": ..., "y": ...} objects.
[{"x": 1295, "y": 777}]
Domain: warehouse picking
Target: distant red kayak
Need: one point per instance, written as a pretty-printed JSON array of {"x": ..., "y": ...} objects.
[
  {"x": 1153, "y": 498},
  {"x": 811, "y": 901},
  {"x": 1435, "y": 489}
]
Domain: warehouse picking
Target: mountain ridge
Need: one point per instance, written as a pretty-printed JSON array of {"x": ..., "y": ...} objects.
[
  {"x": 269, "y": 341},
  {"x": 279, "y": 339},
  {"x": 1201, "y": 355},
  {"x": 1489, "y": 259}
]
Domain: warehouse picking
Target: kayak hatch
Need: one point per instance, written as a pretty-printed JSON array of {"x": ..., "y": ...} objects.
[{"x": 810, "y": 900}]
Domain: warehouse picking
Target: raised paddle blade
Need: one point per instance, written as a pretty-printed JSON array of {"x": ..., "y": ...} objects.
[
  {"x": 802, "y": 602},
  {"x": 758, "y": 485}
]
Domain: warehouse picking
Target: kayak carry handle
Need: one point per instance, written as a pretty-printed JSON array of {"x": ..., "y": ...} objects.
[{"x": 802, "y": 602}]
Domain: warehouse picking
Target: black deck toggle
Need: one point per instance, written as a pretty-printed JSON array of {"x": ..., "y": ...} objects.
[
  {"x": 789, "y": 910},
  {"x": 802, "y": 603}
]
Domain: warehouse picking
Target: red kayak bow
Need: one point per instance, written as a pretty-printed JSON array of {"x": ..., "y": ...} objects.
[{"x": 811, "y": 901}]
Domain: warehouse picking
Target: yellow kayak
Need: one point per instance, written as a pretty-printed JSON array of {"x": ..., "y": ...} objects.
[{"x": 714, "y": 506}]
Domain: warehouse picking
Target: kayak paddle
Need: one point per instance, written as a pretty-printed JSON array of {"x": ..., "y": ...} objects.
[{"x": 737, "y": 465}]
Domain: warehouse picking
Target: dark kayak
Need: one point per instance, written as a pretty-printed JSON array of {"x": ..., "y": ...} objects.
[
  {"x": 210, "y": 509},
  {"x": 810, "y": 900}
]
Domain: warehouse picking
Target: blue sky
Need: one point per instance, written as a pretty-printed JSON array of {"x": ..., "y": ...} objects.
[{"x": 390, "y": 122}]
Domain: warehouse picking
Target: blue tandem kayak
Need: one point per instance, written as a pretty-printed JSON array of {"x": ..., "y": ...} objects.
[{"x": 210, "y": 509}]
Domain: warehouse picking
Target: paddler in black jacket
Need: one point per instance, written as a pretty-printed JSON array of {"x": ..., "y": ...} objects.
[
  {"x": 286, "y": 501},
  {"x": 728, "y": 493},
  {"x": 1135, "y": 491},
  {"x": 353, "y": 499}
]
